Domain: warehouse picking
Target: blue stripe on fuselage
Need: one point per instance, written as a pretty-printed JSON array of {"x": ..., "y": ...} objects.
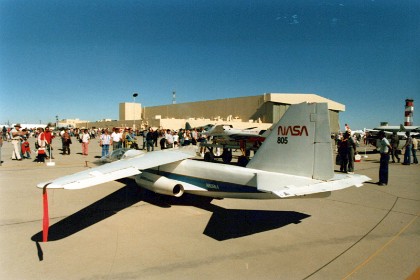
[{"x": 209, "y": 185}]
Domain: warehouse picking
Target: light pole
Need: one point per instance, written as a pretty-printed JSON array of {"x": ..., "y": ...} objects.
[{"x": 134, "y": 119}]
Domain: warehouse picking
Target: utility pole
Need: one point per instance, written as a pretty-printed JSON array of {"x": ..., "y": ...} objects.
[{"x": 134, "y": 109}]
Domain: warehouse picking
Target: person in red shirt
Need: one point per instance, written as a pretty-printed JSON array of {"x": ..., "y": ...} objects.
[
  {"x": 48, "y": 145},
  {"x": 26, "y": 149},
  {"x": 41, "y": 141}
]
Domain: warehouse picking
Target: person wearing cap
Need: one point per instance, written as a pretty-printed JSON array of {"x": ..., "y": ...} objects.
[
  {"x": 16, "y": 134},
  {"x": 384, "y": 149}
]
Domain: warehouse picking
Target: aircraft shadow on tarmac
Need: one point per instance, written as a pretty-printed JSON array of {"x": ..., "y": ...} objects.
[{"x": 224, "y": 223}]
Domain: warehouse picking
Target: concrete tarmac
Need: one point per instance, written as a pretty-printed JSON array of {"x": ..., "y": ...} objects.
[{"x": 119, "y": 231}]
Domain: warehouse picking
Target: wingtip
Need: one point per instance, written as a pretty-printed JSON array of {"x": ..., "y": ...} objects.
[
  {"x": 48, "y": 185},
  {"x": 42, "y": 185}
]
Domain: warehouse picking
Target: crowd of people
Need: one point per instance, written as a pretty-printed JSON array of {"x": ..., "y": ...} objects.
[
  {"x": 21, "y": 147},
  {"x": 108, "y": 139},
  {"x": 388, "y": 149}
]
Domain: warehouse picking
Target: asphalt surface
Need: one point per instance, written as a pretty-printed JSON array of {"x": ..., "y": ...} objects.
[{"x": 119, "y": 231}]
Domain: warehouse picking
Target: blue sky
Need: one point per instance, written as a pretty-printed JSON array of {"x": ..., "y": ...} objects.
[{"x": 79, "y": 59}]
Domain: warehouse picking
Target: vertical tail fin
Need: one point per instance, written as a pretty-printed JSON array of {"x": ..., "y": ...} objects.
[{"x": 300, "y": 144}]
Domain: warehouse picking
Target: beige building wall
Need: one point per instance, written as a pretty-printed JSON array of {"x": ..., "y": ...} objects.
[
  {"x": 240, "y": 107},
  {"x": 242, "y": 112},
  {"x": 130, "y": 111},
  {"x": 266, "y": 108},
  {"x": 111, "y": 124},
  {"x": 181, "y": 123}
]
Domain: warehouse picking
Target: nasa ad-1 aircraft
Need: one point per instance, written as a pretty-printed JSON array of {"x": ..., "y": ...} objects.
[{"x": 295, "y": 161}]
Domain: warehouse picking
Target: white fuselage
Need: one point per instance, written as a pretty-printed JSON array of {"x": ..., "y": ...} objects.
[{"x": 224, "y": 181}]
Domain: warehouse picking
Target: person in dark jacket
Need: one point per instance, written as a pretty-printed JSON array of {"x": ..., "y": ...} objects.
[{"x": 150, "y": 140}]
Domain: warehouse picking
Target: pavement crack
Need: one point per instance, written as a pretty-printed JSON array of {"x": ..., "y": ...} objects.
[{"x": 355, "y": 243}]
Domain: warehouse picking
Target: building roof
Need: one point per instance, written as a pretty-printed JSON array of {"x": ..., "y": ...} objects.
[{"x": 295, "y": 98}]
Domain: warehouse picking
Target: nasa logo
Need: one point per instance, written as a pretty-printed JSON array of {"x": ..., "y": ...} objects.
[
  {"x": 212, "y": 186},
  {"x": 293, "y": 130}
]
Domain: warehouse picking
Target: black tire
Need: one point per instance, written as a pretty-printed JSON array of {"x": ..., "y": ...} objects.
[
  {"x": 243, "y": 161},
  {"x": 227, "y": 156},
  {"x": 208, "y": 156}
]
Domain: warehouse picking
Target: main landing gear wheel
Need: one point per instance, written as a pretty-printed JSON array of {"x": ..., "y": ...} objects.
[
  {"x": 243, "y": 161},
  {"x": 227, "y": 156},
  {"x": 209, "y": 157}
]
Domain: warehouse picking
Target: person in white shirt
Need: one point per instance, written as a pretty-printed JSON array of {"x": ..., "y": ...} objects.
[
  {"x": 384, "y": 149},
  {"x": 169, "y": 139},
  {"x": 85, "y": 142},
  {"x": 105, "y": 142},
  {"x": 176, "y": 139},
  {"x": 116, "y": 137},
  {"x": 15, "y": 135}
]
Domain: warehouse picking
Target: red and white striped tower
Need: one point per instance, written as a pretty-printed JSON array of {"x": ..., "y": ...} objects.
[{"x": 408, "y": 114}]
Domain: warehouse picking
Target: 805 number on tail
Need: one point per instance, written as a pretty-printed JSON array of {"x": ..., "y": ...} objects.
[{"x": 282, "y": 140}]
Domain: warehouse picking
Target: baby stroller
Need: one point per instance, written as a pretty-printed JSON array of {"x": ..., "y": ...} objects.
[{"x": 132, "y": 144}]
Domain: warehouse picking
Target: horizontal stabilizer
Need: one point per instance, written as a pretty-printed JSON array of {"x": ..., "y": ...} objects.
[{"x": 302, "y": 188}]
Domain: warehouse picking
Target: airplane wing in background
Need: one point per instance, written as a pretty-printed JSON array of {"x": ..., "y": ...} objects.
[{"x": 119, "y": 169}]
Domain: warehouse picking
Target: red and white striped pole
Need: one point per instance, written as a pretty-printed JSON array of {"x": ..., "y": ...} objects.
[{"x": 408, "y": 113}]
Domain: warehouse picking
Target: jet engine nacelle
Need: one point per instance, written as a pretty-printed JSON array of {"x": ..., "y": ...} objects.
[{"x": 160, "y": 184}]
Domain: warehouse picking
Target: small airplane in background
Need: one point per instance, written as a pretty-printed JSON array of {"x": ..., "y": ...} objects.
[
  {"x": 400, "y": 128},
  {"x": 227, "y": 132},
  {"x": 294, "y": 161},
  {"x": 389, "y": 130},
  {"x": 227, "y": 138}
]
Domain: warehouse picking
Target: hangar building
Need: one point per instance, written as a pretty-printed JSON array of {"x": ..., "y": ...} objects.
[
  {"x": 266, "y": 108},
  {"x": 242, "y": 112}
]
